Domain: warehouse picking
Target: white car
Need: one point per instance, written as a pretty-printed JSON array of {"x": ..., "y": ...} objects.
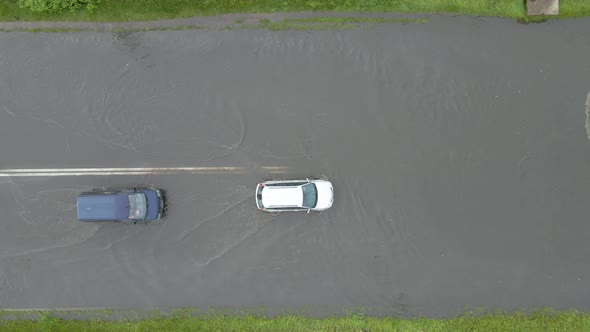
[{"x": 294, "y": 195}]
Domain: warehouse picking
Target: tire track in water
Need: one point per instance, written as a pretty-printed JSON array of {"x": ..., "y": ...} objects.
[
  {"x": 45, "y": 217},
  {"x": 189, "y": 231},
  {"x": 68, "y": 240},
  {"x": 244, "y": 236}
]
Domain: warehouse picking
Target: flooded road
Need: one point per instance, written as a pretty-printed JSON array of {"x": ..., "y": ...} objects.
[{"x": 457, "y": 149}]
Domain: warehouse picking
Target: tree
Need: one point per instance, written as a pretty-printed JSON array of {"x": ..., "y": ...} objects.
[{"x": 58, "y": 6}]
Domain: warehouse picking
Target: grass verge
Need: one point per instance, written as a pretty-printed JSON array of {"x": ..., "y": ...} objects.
[
  {"x": 147, "y": 10},
  {"x": 304, "y": 24},
  {"x": 542, "y": 320},
  {"x": 325, "y": 23}
]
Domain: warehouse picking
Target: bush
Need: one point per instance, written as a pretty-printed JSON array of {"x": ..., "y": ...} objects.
[{"x": 57, "y": 6}]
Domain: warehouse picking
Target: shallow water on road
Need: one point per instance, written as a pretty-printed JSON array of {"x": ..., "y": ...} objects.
[{"x": 457, "y": 149}]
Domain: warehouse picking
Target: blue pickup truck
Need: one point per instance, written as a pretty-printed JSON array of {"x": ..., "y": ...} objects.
[{"x": 120, "y": 205}]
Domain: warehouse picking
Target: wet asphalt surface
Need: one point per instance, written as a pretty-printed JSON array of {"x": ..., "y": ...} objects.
[{"x": 457, "y": 149}]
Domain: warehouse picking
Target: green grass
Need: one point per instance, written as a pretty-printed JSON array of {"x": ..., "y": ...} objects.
[
  {"x": 142, "y": 10},
  {"x": 325, "y": 23},
  {"x": 303, "y": 24},
  {"x": 543, "y": 320}
]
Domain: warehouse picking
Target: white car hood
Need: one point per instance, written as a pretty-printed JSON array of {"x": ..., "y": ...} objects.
[{"x": 325, "y": 194}]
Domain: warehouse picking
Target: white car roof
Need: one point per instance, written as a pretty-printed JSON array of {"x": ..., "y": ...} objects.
[{"x": 281, "y": 196}]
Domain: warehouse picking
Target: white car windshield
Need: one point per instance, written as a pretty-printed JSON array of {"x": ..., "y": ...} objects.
[
  {"x": 310, "y": 196},
  {"x": 137, "y": 206}
]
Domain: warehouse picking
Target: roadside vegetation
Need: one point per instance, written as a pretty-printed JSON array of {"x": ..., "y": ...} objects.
[
  {"x": 325, "y": 23},
  {"x": 147, "y": 10},
  {"x": 542, "y": 320}
]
